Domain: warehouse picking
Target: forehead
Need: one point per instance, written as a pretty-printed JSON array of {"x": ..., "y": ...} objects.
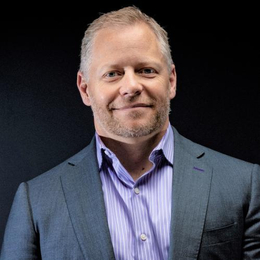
[{"x": 118, "y": 40}]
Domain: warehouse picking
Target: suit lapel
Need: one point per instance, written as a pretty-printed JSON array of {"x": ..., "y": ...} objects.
[
  {"x": 84, "y": 197},
  {"x": 191, "y": 187}
]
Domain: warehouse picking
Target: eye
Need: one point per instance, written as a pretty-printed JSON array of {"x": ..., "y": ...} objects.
[
  {"x": 147, "y": 72},
  {"x": 112, "y": 74}
]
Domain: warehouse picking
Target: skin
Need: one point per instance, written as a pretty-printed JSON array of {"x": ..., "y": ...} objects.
[{"x": 129, "y": 91}]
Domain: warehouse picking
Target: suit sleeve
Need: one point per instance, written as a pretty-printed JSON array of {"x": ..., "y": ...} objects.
[
  {"x": 20, "y": 238},
  {"x": 252, "y": 221}
]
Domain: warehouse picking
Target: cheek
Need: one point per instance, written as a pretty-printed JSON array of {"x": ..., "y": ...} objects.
[
  {"x": 101, "y": 97},
  {"x": 161, "y": 90},
  {"x": 106, "y": 97}
]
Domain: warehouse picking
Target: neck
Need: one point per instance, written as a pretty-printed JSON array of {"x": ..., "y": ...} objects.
[{"x": 134, "y": 154}]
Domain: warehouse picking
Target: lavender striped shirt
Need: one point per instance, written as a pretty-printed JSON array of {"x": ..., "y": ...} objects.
[{"x": 139, "y": 212}]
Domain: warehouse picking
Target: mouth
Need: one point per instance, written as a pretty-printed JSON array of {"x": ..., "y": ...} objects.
[{"x": 132, "y": 106}]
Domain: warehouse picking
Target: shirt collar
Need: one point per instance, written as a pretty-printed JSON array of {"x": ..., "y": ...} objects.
[{"x": 165, "y": 148}]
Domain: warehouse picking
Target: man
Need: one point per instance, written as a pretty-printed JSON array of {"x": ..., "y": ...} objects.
[{"x": 139, "y": 190}]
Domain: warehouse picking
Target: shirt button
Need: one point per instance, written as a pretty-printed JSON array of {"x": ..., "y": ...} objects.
[
  {"x": 137, "y": 191},
  {"x": 143, "y": 237}
]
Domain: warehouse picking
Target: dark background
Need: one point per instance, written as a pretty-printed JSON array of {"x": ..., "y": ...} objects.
[{"x": 43, "y": 120}]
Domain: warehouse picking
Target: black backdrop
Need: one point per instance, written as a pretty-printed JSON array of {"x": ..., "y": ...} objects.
[{"x": 42, "y": 118}]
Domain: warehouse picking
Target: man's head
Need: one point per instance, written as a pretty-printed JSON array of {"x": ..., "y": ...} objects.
[{"x": 127, "y": 75}]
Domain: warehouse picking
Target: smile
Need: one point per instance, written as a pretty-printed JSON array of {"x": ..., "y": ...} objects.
[{"x": 133, "y": 106}]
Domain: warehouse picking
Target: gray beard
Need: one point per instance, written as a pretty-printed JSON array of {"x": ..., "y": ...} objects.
[{"x": 118, "y": 128}]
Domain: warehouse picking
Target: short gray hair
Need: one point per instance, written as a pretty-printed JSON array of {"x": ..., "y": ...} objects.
[{"x": 123, "y": 17}]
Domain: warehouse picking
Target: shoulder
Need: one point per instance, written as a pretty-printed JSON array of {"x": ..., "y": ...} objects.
[
  {"x": 233, "y": 175},
  {"x": 213, "y": 158}
]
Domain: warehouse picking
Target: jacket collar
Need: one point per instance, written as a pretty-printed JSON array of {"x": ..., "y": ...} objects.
[
  {"x": 84, "y": 197},
  {"x": 191, "y": 188}
]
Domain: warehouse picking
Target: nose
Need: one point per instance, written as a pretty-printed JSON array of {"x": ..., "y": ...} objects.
[{"x": 130, "y": 85}]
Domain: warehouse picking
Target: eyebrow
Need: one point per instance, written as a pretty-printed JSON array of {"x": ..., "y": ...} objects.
[{"x": 112, "y": 66}]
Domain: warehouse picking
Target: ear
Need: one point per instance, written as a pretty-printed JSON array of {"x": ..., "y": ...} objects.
[
  {"x": 173, "y": 82},
  {"x": 83, "y": 88}
]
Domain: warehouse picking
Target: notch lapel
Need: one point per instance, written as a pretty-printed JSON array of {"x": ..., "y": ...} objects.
[
  {"x": 191, "y": 188},
  {"x": 84, "y": 197}
]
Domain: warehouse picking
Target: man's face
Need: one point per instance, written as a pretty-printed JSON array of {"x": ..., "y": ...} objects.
[{"x": 129, "y": 87}]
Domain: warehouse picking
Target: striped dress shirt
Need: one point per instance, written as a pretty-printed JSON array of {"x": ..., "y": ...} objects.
[{"x": 139, "y": 212}]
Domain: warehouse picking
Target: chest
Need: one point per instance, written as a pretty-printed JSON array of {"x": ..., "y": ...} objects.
[{"x": 139, "y": 214}]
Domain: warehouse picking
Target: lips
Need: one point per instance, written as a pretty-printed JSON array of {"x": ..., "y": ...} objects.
[{"x": 132, "y": 106}]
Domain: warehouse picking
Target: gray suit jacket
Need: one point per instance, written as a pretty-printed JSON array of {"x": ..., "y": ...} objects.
[{"x": 215, "y": 210}]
